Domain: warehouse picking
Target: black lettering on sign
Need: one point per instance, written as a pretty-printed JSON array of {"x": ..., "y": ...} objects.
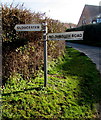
[
  {"x": 80, "y": 35},
  {"x": 28, "y": 27},
  {"x": 18, "y": 27},
  {"x": 76, "y": 35}
]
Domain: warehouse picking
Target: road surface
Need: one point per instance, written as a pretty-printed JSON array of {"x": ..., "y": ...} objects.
[{"x": 94, "y": 53}]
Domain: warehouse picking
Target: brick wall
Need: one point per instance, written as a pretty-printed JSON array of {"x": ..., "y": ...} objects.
[{"x": 88, "y": 14}]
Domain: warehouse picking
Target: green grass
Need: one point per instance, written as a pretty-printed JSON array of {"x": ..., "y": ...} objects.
[{"x": 73, "y": 89}]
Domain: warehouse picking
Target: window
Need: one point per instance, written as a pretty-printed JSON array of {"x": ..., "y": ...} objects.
[
  {"x": 84, "y": 22},
  {"x": 99, "y": 20}
]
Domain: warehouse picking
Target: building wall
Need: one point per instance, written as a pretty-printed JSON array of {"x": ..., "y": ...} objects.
[
  {"x": 88, "y": 14},
  {"x": 100, "y": 7}
]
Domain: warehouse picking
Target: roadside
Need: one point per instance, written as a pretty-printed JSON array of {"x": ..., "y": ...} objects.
[
  {"x": 72, "y": 91},
  {"x": 94, "y": 53}
]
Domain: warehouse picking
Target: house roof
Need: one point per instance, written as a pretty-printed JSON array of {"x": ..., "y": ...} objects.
[{"x": 89, "y": 12}]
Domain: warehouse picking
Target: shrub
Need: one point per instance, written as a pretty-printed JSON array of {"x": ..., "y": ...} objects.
[{"x": 23, "y": 51}]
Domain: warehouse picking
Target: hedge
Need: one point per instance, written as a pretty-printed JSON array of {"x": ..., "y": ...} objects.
[
  {"x": 92, "y": 33},
  {"x": 23, "y": 51}
]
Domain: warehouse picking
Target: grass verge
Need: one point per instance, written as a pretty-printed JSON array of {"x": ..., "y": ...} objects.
[{"x": 73, "y": 89}]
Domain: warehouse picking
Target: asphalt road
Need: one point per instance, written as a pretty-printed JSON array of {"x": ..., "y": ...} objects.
[{"x": 94, "y": 53}]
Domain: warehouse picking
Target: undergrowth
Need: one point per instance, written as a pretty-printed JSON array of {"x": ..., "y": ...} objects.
[{"x": 72, "y": 91}]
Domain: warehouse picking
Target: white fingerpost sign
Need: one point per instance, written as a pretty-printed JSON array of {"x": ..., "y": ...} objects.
[
  {"x": 76, "y": 35},
  {"x": 28, "y": 27},
  {"x": 37, "y": 27}
]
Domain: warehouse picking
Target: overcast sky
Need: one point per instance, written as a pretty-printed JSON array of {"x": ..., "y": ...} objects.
[{"x": 63, "y": 10}]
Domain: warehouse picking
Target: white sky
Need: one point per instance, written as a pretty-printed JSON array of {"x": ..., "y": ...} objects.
[{"x": 63, "y": 10}]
